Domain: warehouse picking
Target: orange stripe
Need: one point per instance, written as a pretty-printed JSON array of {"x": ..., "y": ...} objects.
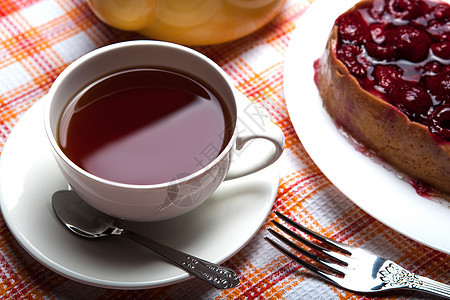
[{"x": 8, "y": 7}]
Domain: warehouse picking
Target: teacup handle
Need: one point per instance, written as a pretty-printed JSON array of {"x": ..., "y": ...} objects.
[{"x": 253, "y": 124}]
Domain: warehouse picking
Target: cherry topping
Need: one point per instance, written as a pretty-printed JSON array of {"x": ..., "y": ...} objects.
[
  {"x": 431, "y": 68},
  {"x": 441, "y": 49},
  {"x": 442, "y": 12},
  {"x": 377, "y": 33},
  {"x": 380, "y": 52},
  {"x": 399, "y": 50},
  {"x": 350, "y": 55},
  {"x": 439, "y": 86},
  {"x": 411, "y": 99},
  {"x": 353, "y": 28},
  {"x": 439, "y": 30},
  {"x": 439, "y": 121},
  {"x": 421, "y": 187},
  {"x": 409, "y": 43},
  {"x": 404, "y": 9},
  {"x": 375, "y": 10},
  {"x": 387, "y": 76}
]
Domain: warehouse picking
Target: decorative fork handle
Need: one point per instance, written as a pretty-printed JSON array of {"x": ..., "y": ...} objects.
[
  {"x": 213, "y": 274},
  {"x": 395, "y": 276}
]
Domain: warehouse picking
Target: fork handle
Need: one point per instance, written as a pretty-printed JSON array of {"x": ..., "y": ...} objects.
[
  {"x": 394, "y": 276},
  {"x": 433, "y": 287}
]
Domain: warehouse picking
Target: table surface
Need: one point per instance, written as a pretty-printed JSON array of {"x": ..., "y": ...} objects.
[{"x": 39, "y": 38}]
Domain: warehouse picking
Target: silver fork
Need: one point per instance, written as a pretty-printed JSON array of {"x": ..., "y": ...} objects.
[{"x": 351, "y": 268}]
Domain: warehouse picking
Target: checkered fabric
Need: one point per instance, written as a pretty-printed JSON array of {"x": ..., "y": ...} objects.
[{"x": 39, "y": 38}]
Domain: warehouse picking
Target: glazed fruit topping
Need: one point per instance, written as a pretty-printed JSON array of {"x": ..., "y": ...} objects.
[
  {"x": 440, "y": 121},
  {"x": 380, "y": 52},
  {"x": 352, "y": 57},
  {"x": 405, "y": 9},
  {"x": 354, "y": 29},
  {"x": 441, "y": 49},
  {"x": 411, "y": 99},
  {"x": 442, "y": 12},
  {"x": 400, "y": 50},
  {"x": 387, "y": 76},
  {"x": 439, "y": 86},
  {"x": 409, "y": 42}
]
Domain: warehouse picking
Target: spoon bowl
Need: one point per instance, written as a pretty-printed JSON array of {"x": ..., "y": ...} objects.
[
  {"x": 86, "y": 221},
  {"x": 79, "y": 217}
]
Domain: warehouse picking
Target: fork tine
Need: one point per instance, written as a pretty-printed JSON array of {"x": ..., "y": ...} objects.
[
  {"x": 342, "y": 247},
  {"x": 306, "y": 265},
  {"x": 330, "y": 255},
  {"x": 315, "y": 258},
  {"x": 298, "y": 237}
]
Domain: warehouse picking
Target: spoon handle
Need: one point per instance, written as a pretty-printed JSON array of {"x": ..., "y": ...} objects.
[{"x": 216, "y": 275}]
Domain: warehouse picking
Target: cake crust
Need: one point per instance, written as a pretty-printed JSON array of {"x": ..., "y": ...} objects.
[{"x": 406, "y": 145}]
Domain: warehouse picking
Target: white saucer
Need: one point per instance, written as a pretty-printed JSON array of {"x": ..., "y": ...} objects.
[{"x": 215, "y": 231}]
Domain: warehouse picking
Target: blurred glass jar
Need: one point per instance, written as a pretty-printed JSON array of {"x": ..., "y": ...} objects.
[{"x": 190, "y": 22}]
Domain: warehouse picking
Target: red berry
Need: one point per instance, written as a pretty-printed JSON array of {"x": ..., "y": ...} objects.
[
  {"x": 380, "y": 52},
  {"x": 351, "y": 56},
  {"x": 409, "y": 43},
  {"x": 387, "y": 76},
  {"x": 377, "y": 33},
  {"x": 439, "y": 121},
  {"x": 353, "y": 28},
  {"x": 439, "y": 30},
  {"x": 376, "y": 10},
  {"x": 441, "y": 49},
  {"x": 431, "y": 68},
  {"x": 442, "y": 11},
  {"x": 406, "y": 9},
  {"x": 413, "y": 100},
  {"x": 439, "y": 85}
]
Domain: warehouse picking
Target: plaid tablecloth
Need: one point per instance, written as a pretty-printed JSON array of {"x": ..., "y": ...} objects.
[{"x": 39, "y": 38}]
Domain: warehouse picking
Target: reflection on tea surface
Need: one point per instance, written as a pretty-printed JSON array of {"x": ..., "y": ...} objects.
[{"x": 144, "y": 126}]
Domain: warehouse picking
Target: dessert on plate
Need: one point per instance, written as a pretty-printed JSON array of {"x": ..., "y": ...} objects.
[{"x": 384, "y": 78}]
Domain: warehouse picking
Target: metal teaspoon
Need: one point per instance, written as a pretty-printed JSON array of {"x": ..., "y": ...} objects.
[{"x": 84, "y": 220}]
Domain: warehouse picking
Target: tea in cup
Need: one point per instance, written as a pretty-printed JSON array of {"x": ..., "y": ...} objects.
[
  {"x": 144, "y": 126},
  {"x": 147, "y": 130}
]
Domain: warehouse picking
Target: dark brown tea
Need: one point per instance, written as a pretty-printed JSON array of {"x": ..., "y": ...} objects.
[{"x": 144, "y": 126}]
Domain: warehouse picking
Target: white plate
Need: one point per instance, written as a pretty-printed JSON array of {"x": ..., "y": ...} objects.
[
  {"x": 368, "y": 184},
  {"x": 214, "y": 231}
]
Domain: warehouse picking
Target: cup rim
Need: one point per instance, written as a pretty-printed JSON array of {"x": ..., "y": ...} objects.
[{"x": 54, "y": 143}]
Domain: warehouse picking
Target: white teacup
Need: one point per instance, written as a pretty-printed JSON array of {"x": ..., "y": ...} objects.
[{"x": 154, "y": 202}]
